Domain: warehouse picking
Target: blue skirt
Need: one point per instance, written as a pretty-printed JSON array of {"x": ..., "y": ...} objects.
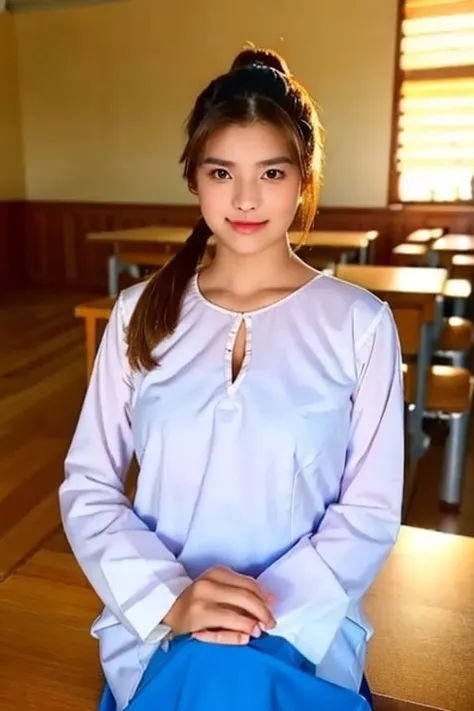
[{"x": 268, "y": 674}]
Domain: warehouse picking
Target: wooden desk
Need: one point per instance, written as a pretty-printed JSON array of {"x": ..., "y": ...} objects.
[
  {"x": 412, "y": 287},
  {"x": 454, "y": 243},
  {"x": 444, "y": 248},
  {"x": 336, "y": 245},
  {"x": 342, "y": 240},
  {"x": 421, "y": 606},
  {"x": 91, "y": 312},
  {"x": 154, "y": 235},
  {"x": 403, "y": 284},
  {"x": 425, "y": 236}
]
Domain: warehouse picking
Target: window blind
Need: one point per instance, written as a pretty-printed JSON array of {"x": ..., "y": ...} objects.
[{"x": 435, "y": 151}]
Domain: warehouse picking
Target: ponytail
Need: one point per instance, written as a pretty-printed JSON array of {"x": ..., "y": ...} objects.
[{"x": 157, "y": 312}]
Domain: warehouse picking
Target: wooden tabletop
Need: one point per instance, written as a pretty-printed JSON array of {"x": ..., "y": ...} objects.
[
  {"x": 344, "y": 239},
  {"x": 463, "y": 260},
  {"x": 99, "y": 308},
  {"x": 399, "y": 285},
  {"x": 422, "y": 608},
  {"x": 408, "y": 280},
  {"x": 425, "y": 235},
  {"x": 348, "y": 240},
  {"x": 454, "y": 243},
  {"x": 410, "y": 248},
  {"x": 164, "y": 235}
]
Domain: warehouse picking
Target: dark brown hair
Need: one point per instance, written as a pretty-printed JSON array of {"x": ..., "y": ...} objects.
[{"x": 258, "y": 87}]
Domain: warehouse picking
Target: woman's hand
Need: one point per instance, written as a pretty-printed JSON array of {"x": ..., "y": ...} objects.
[{"x": 223, "y": 607}]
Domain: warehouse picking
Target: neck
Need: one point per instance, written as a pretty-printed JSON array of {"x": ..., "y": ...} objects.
[{"x": 244, "y": 274}]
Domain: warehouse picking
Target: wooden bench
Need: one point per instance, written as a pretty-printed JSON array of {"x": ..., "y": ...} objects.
[{"x": 91, "y": 312}]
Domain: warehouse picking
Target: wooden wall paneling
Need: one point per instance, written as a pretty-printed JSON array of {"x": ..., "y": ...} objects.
[
  {"x": 11, "y": 245},
  {"x": 57, "y": 254}
]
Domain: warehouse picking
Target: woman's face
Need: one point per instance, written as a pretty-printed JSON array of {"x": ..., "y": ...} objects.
[{"x": 249, "y": 185}]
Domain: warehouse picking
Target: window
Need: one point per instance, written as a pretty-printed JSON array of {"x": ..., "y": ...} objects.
[{"x": 433, "y": 151}]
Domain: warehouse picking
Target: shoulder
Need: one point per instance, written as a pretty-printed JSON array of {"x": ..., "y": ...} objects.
[
  {"x": 128, "y": 299},
  {"x": 348, "y": 306}
]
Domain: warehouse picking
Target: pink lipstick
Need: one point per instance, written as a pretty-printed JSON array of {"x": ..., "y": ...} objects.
[{"x": 247, "y": 228}]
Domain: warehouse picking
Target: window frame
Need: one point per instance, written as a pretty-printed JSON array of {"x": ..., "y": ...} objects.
[{"x": 399, "y": 76}]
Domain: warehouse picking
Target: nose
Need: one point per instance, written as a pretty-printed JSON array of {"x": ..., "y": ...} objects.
[{"x": 246, "y": 196}]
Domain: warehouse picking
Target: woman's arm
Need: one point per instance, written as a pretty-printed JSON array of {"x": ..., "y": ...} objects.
[
  {"x": 316, "y": 581},
  {"x": 131, "y": 570}
]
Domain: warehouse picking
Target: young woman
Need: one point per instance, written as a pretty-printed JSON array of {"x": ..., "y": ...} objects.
[{"x": 263, "y": 401}]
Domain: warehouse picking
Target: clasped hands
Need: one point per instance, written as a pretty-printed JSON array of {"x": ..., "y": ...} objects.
[{"x": 222, "y": 607}]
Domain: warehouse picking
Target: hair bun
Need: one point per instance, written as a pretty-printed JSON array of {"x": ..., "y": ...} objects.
[{"x": 265, "y": 57}]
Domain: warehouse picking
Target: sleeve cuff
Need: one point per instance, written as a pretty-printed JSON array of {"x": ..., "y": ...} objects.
[
  {"x": 310, "y": 604},
  {"x": 152, "y": 608}
]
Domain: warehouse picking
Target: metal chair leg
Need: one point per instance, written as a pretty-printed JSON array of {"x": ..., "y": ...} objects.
[
  {"x": 459, "y": 307},
  {"x": 460, "y": 359},
  {"x": 114, "y": 270},
  {"x": 134, "y": 271},
  {"x": 454, "y": 461}
]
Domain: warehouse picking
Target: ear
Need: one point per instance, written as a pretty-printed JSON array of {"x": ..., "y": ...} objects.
[{"x": 192, "y": 188}]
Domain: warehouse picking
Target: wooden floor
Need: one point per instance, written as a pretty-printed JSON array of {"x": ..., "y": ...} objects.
[{"x": 46, "y": 606}]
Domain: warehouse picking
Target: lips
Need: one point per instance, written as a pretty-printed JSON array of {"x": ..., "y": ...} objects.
[{"x": 247, "y": 227}]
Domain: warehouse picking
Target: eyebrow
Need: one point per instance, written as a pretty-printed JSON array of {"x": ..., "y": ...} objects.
[{"x": 279, "y": 160}]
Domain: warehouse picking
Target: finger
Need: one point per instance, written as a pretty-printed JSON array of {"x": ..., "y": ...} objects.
[
  {"x": 244, "y": 601},
  {"x": 220, "y": 598},
  {"x": 240, "y": 597},
  {"x": 218, "y": 617},
  {"x": 225, "y": 637},
  {"x": 230, "y": 577}
]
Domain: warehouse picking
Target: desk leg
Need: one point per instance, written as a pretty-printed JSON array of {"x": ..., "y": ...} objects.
[
  {"x": 454, "y": 461},
  {"x": 114, "y": 271},
  {"x": 116, "y": 266},
  {"x": 433, "y": 258},
  {"x": 459, "y": 307},
  {"x": 424, "y": 362},
  {"x": 439, "y": 319},
  {"x": 364, "y": 254},
  {"x": 91, "y": 341}
]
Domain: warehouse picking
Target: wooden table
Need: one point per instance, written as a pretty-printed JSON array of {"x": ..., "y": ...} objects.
[
  {"x": 421, "y": 606},
  {"x": 408, "y": 286},
  {"x": 92, "y": 312},
  {"x": 423, "y": 284},
  {"x": 337, "y": 245},
  {"x": 443, "y": 249}
]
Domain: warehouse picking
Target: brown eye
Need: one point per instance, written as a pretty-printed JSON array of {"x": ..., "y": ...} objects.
[
  {"x": 274, "y": 174},
  {"x": 220, "y": 174}
]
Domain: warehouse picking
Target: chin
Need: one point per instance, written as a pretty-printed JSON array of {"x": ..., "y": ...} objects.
[{"x": 246, "y": 245}]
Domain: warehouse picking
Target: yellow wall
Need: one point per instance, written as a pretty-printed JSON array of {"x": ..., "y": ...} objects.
[
  {"x": 11, "y": 158},
  {"x": 105, "y": 90}
]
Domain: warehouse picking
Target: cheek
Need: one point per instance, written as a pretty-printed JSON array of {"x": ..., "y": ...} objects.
[
  {"x": 212, "y": 197},
  {"x": 284, "y": 198}
]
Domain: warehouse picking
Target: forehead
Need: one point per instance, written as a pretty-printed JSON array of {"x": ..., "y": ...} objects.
[{"x": 258, "y": 141}]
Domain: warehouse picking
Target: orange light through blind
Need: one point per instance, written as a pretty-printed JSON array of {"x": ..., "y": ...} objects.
[{"x": 435, "y": 157}]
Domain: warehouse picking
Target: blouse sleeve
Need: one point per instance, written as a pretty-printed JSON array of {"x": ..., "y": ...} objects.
[
  {"x": 318, "y": 579},
  {"x": 132, "y": 571}
]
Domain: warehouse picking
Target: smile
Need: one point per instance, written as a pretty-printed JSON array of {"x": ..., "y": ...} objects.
[{"x": 247, "y": 227}]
